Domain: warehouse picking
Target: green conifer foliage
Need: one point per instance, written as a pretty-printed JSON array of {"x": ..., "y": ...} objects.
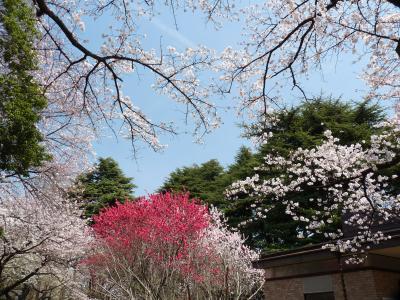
[
  {"x": 21, "y": 98},
  {"x": 199, "y": 180},
  {"x": 103, "y": 186}
]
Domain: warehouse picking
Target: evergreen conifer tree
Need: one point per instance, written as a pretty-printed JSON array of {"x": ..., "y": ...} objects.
[
  {"x": 199, "y": 180},
  {"x": 102, "y": 187}
]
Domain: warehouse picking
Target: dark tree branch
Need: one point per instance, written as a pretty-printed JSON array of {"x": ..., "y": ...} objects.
[{"x": 7, "y": 289}]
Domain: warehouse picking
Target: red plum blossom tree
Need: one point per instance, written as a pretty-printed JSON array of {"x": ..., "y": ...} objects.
[{"x": 169, "y": 247}]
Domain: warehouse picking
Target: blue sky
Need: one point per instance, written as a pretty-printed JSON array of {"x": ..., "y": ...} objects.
[{"x": 150, "y": 169}]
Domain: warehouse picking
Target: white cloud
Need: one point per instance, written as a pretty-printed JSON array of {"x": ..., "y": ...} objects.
[{"x": 173, "y": 33}]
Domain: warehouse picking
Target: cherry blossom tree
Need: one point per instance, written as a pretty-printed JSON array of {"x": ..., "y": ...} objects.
[
  {"x": 169, "y": 247},
  {"x": 42, "y": 237},
  {"x": 41, "y": 246},
  {"x": 236, "y": 276},
  {"x": 360, "y": 184}
]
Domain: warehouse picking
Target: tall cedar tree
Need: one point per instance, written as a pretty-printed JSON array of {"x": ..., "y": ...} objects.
[
  {"x": 199, "y": 180},
  {"x": 21, "y": 98},
  {"x": 301, "y": 126},
  {"x": 102, "y": 187}
]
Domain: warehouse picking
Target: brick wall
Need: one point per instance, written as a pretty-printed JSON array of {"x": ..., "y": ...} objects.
[
  {"x": 360, "y": 285},
  {"x": 292, "y": 288},
  {"x": 367, "y": 284},
  {"x": 337, "y": 287},
  {"x": 387, "y": 284},
  {"x": 288, "y": 289}
]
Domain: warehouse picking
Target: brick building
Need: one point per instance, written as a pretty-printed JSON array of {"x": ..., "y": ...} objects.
[{"x": 311, "y": 273}]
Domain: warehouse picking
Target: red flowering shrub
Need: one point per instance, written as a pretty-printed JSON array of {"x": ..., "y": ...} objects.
[
  {"x": 166, "y": 227},
  {"x": 166, "y": 247},
  {"x": 160, "y": 234}
]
